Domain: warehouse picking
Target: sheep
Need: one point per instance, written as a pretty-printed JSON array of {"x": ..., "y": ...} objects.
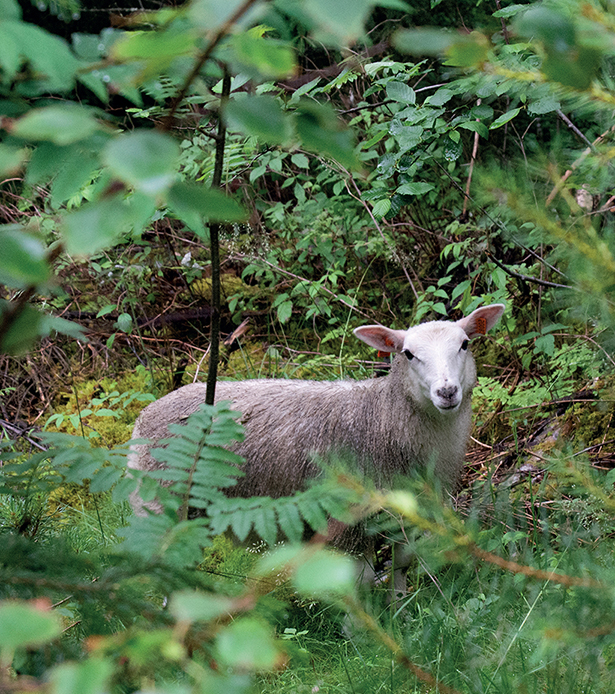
[{"x": 419, "y": 414}]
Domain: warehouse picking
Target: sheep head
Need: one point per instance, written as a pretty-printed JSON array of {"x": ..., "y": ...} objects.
[{"x": 440, "y": 368}]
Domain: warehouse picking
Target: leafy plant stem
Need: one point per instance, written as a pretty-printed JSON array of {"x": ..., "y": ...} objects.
[{"x": 214, "y": 241}]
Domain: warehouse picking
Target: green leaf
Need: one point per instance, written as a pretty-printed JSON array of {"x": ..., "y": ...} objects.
[
  {"x": 392, "y": 4},
  {"x": 10, "y": 54},
  {"x": 268, "y": 58},
  {"x": 453, "y": 148},
  {"x": 574, "y": 68},
  {"x": 324, "y": 574},
  {"x": 108, "y": 308},
  {"x": 421, "y": 42},
  {"x": 547, "y": 104},
  {"x": 11, "y": 159},
  {"x": 545, "y": 344},
  {"x": 49, "y": 56},
  {"x": 192, "y": 202},
  {"x": 190, "y": 606},
  {"x": 10, "y": 9},
  {"x": 49, "y": 324},
  {"x": 547, "y": 24},
  {"x": 415, "y": 188},
  {"x": 285, "y": 310},
  {"x": 289, "y": 520},
  {"x": 88, "y": 677},
  {"x": 401, "y": 92},
  {"x": 504, "y": 118},
  {"x": 96, "y": 225},
  {"x": 211, "y": 14},
  {"x": 247, "y": 644},
  {"x": 26, "y": 624},
  {"x": 159, "y": 46},
  {"x": 476, "y": 127},
  {"x": 124, "y": 322},
  {"x": 22, "y": 258},
  {"x": 510, "y": 11},
  {"x": 321, "y": 131},
  {"x": 155, "y": 49},
  {"x": 61, "y": 124},
  {"x": 407, "y": 136},
  {"x": 46, "y": 160},
  {"x": 300, "y": 160},
  {"x": 340, "y": 21},
  {"x": 260, "y": 116},
  {"x": 24, "y": 330},
  {"x": 145, "y": 159},
  {"x": 482, "y": 111},
  {"x": 381, "y": 207},
  {"x": 441, "y": 97},
  {"x": 72, "y": 177}
]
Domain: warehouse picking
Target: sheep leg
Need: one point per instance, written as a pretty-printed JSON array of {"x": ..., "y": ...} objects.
[{"x": 402, "y": 558}]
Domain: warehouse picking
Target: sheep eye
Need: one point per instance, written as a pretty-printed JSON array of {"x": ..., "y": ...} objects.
[
  {"x": 408, "y": 353},
  {"x": 464, "y": 344}
]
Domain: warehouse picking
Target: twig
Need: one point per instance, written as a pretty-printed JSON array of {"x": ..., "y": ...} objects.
[
  {"x": 526, "y": 278},
  {"x": 560, "y": 184},
  {"x": 505, "y": 32},
  {"x": 466, "y": 198},
  {"x": 574, "y": 128},
  {"x": 21, "y": 433},
  {"x": 531, "y": 572}
]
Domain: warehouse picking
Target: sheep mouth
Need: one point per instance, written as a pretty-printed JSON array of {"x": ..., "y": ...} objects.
[{"x": 448, "y": 408}]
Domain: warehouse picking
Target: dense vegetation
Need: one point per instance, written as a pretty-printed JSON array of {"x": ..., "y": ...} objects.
[{"x": 227, "y": 189}]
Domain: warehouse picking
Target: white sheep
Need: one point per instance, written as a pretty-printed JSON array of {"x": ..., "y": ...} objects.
[{"x": 419, "y": 414}]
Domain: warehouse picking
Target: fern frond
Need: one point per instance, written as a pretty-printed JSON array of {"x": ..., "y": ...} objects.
[
  {"x": 197, "y": 464},
  {"x": 283, "y": 518}
]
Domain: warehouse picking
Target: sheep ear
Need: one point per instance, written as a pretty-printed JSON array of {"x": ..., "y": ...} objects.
[
  {"x": 384, "y": 339},
  {"x": 481, "y": 320}
]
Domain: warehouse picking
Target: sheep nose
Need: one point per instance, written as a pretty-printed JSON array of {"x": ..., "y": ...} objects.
[{"x": 447, "y": 393}]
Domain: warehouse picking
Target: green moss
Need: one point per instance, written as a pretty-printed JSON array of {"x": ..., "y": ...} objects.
[
  {"x": 105, "y": 408},
  {"x": 229, "y": 285}
]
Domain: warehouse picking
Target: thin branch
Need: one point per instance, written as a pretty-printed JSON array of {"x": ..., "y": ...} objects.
[
  {"x": 574, "y": 128},
  {"x": 586, "y": 152},
  {"x": 214, "y": 241},
  {"x": 526, "y": 278},
  {"x": 531, "y": 572},
  {"x": 466, "y": 197}
]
